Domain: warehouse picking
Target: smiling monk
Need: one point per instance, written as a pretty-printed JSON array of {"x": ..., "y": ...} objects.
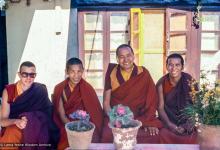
[
  {"x": 26, "y": 111},
  {"x": 174, "y": 95},
  {"x": 132, "y": 86},
  {"x": 73, "y": 94}
]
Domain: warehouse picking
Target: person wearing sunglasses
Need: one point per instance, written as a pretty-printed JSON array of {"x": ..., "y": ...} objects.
[
  {"x": 26, "y": 110},
  {"x": 72, "y": 94}
]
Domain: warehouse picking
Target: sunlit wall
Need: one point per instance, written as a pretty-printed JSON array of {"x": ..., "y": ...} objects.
[{"x": 38, "y": 33}]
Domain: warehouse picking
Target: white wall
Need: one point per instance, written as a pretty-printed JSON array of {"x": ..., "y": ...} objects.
[{"x": 31, "y": 35}]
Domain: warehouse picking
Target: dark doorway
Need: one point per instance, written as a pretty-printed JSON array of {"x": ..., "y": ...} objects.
[{"x": 3, "y": 53}]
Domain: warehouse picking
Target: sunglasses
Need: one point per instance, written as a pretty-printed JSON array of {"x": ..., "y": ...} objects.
[{"x": 25, "y": 75}]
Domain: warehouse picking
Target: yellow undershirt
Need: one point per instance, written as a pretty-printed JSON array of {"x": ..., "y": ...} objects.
[
  {"x": 71, "y": 85},
  {"x": 114, "y": 82},
  {"x": 19, "y": 88},
  {"x": 126, "y": 75}
]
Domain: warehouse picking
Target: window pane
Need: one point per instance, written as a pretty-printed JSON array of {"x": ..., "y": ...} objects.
[
  {"x": 119, "y": 21},
  {"x": 210, "y": 41},
  {"x": 94, "y": 61},
  {"x": 178, "y": 43},
  {"x": 210, "y": 64},
  {"x": 95, "y": 79},
  {"x": 210, "y": 22},
  {"x": 178, "y": 22},
  {"x": 118, "y": 39},
  {"x": 113, "y": 57},
  {"x": 153, "y": 31},
  {"x": 152, "y": 61},
  {"x": 93, "y": 22},
  {"x": 210, "y": 61},
  {"x": 93, "y": 41}
]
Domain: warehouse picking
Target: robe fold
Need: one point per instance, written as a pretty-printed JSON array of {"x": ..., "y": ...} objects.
[
  {"x": 175, "y": 100},
  {"x": 82, "y": 97},
  {"x": 139, "y": 94}
]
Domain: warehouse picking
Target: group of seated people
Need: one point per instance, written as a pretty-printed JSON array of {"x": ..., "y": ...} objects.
[{"x": 28, "y": 115}]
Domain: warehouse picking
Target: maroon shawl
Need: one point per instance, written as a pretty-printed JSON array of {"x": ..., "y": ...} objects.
[
  {"x": 177, "y": 99},
  {"x": 36, "y": 106},
  {"x": 83, "y": 97}
]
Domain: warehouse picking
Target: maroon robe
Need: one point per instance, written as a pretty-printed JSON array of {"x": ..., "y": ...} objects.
[
  {"x": 35, "y": 105},
  {"x": 175, "y": 100},
  {"x": 83, "y": 97},
  {"x": 139, "y": 94}
]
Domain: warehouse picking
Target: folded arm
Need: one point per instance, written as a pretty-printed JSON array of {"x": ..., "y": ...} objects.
[
  {"x": 5, "y": 111},
  {"x": 163, "y": 115}
]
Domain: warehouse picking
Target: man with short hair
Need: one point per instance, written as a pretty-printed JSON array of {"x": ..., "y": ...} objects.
[
  {"x": 132, "y": 86},
  {"x": 26, "y": 110},
  {"x": 72, "y": 94},
  {"x": 174, "y": 95}
]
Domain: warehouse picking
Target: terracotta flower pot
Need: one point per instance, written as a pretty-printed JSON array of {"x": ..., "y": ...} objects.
[
  {"x": 125, "y": 138},
  {"x": 79, "y": 140},
  {"x": 209, "y": 137}
]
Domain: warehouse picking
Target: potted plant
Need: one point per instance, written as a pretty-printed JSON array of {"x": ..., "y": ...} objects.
[
  {"x": 79, "y": 132},
  {"x": 124, "y": 127},
  {"x": 205, "y": 112}
]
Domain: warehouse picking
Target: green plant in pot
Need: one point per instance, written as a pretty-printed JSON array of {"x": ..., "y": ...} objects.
[
  {"x": 124, "y": 127},
  {"x": 81, "y": 129},
  {"x": 82, "y": 124},
  {"x": 205, "y": 112}
]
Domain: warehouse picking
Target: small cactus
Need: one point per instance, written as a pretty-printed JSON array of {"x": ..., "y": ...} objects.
[
  {"x": 121, "y": 117},
  {"x": 83, "y": 123}
]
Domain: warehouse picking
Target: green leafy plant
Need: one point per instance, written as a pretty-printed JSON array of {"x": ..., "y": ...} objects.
[
  {"x": 121, "y": 117},
  {"x": 206, "y": 102},
  {"x": 82, "y": 123}
]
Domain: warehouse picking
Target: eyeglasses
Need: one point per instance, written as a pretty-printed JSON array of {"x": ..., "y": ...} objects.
[{"x": 25, "y": 75}]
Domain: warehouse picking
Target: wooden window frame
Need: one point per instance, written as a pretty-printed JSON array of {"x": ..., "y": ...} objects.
[
  {"x": 106, "y": 40},
  {"x": 193, "y": 42}
]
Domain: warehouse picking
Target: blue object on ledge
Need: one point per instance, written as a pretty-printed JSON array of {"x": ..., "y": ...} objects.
[{"x": 2, "y": 12}]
